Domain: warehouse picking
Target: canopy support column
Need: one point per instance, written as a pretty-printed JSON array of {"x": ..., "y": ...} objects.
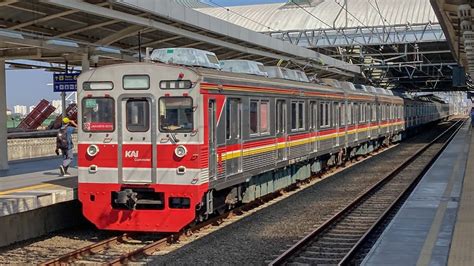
[{"x": 3, "y": 119}]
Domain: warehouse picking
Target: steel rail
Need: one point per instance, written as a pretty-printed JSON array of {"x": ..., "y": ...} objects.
[
  {"x": 155, "y": 245},
  {"x": 362, "y": 197},
  {"x": 81, "y": 252},
  {"x": 350, "y": 255}
]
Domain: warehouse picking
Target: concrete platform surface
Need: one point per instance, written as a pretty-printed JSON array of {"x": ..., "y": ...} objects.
[
  {"x": 28, "y": 185},
  {"x": 421, "y": 233}
]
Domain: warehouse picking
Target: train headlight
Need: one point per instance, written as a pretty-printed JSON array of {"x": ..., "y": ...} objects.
[
  {"x": 180, "y": 151},
  {"x": 92, "y": 150}
]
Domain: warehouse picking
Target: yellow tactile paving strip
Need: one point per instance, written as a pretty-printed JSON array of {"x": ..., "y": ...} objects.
[
  {"x": 27, "y": 188},
  {"x": 462, "y": 246}
]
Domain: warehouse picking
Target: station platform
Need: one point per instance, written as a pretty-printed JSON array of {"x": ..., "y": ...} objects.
[
  {"x": 434, "y": 226},
  {"x": 31, "y": 195}
]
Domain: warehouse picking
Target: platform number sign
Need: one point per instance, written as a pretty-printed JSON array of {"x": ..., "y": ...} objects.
[{"x": 65, "y": 82}]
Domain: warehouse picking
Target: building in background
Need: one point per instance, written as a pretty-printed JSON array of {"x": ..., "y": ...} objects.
[
  {"x": 20, "y": 109},
  {"x": 57, "y": 104},
  {"x": 9, "y": 112},
  {"x": 31, "y": 108}
]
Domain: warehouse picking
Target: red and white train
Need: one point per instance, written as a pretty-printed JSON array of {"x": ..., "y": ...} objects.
[{"x": 164, "y": 145}]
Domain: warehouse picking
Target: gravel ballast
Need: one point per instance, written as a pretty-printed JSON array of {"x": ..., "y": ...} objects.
[{"x": 259, "y": 238}]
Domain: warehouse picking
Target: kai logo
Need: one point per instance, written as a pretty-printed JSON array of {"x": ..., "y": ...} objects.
[{"x": 131, "y": 154}]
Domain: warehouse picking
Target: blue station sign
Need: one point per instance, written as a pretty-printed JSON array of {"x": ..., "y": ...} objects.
[{"x": 65, "y": 82}]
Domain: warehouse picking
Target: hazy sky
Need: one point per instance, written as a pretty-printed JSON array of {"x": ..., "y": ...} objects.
[{"x": 28, "y": 87}]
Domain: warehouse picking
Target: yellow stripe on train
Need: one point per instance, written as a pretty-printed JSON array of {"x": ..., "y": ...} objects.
[{"x": 280, "y": 145}]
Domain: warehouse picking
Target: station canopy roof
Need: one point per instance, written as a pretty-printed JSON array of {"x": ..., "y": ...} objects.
[
  {"x": 399, "y": 44},
  {"x": 56, "y": 31},
  {"x": 457, "y": 19}
]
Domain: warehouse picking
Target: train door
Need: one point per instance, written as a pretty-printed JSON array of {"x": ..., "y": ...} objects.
[
  {"x": 234, "y": 136},
  {"x": 212, "y": 122},
  {"x": 355, "y": 120},
  {"x": 337, "y": 120},
  {"x": 281, "y": 128},
  {"x": 313, "y": 109},
  {"x": 137, "y": 139}
]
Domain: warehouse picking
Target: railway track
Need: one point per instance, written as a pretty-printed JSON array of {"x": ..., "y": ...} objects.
[
  {"x": 337, "y": 241},
  {"x": 124, "y": 248}
]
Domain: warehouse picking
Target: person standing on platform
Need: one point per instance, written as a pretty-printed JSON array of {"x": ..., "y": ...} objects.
[
  {"x": 65, "y": 145},
  {"x": 472, "y": 116}
]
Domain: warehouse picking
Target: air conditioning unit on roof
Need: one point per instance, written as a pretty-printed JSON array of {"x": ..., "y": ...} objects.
[
  {"x": 468, "y": 35},
  {"x": 464, "y": 12},
  {"x": 466, "y": 25}
]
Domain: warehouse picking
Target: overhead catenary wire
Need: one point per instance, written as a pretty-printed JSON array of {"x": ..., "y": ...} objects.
[
  {"x": 240, "y": 15},
  {"x": 331, "y": 27}
]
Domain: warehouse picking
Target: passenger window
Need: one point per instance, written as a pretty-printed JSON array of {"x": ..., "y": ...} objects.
[
  {"x": 259, "y": 117},
  {"x": 253, "y": 117},
  {"x": 176, "y": 114},
  {"x": 294, "y": 116},
  {"x": 301, "y": 116},
  {"x": 136, "y": 82},
  {"x": 349, "y": 114},
  {"x": 264, "y": 117},
  {"x": 297, "y": 116},
  {"x": 343, "y": 114},
  {"x": 138, "y": 115},
  {"x": 98, "y": 115},
  {"x": 313, "y": 115},
  {"x": 324, "y": 114},
  {"x": 280, "y": 126}
]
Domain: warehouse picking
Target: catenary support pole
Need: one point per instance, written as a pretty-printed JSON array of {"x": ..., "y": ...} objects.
[{"x": 3, "y": 118}]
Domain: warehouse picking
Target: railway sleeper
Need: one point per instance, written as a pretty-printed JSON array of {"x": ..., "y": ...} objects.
[
  {"x": 310, "y": 260},
  {"x": 327, "y": 249},
  {"x": 341, "y": 237},
  {"x": 327, "y": 239},
  {"x": 328, "y": 244},
  {"x": 326, "y": 254},
  {"x": 348, "y": 225},
  {"x": 358, "y": 219}
]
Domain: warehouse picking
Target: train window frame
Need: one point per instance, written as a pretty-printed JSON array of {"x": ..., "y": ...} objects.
[
  {"x": 137, "y": 88},
  {"x": 343, "y": 114},
  {"x": 259, "y": 131},
  {"x": 361, "y": 113},
  {"x": 113, "y": 115},
  {"x": 233, "y": 124},
  {"x": 313, "y": 117},
  {"x": 349, "y": 113},
  {"x": 374, "y": 112},
  {"x": 325, "y": 111},
  {"x": 127, "y": 125},
  {"x": 267, "y": 129},
  {"x": 86, "y": 85},
  {"x": 298, "y": 124},
  {"x": 159, "y": 115},
  {"x": 280, "y": 127}
]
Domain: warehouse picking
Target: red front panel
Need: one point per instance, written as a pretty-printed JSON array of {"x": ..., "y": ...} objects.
[{"x": 97, "y": 208}]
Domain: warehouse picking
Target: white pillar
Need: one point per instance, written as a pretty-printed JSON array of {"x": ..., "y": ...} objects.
[
  {"x": 85, "y": 62},
  {"x": 3, "y": 118},
  {"x": 63, "y": 104}
]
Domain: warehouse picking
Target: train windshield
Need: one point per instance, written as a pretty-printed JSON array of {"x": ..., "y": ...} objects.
[
  {"x": 176, "y": 114},
  {"x": 98, "y": 114}
]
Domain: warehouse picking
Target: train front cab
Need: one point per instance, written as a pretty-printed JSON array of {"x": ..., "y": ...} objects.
[{"x": 140, "y": 139}]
